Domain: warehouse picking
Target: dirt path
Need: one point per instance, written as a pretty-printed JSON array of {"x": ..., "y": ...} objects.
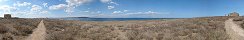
[
  {"x": 235, "y": 31},
  {"x": 38, "y": 33}
]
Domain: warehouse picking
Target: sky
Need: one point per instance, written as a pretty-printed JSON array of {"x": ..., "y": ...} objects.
[{"x": 120, "y": 8}]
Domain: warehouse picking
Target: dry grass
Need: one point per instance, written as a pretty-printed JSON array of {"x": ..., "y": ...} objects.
[
  {"x": 207, "y": 28},
  {"x": 16, "y": 29}
]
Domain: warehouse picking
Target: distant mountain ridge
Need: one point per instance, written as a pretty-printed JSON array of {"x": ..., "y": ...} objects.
[{"x": 76, "y": 17}]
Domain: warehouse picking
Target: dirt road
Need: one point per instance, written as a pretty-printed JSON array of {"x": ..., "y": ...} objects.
[
  {"x": 235, "y": 31},
  {"x": 38, "y": 33}
]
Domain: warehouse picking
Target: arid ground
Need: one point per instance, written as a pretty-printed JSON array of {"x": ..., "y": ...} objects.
[{"x": 201, "y": 28}]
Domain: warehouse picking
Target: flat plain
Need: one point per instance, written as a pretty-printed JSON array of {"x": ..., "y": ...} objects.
[{"x": 201, "y": 28}]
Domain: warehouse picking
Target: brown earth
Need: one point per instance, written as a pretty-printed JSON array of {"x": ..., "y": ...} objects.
[
  {"x": 202, "y": 28},
  {"x": 235, "y": 31},
  {"x": 38, "y": 33}
]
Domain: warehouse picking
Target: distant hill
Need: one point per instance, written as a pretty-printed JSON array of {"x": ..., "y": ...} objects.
[{"x": 76, "y": 17}]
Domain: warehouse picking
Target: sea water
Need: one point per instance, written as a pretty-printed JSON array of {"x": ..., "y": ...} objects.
[{"x": 115, "y": 19}]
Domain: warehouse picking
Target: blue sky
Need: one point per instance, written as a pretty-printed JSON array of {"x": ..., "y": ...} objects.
[{"x": 120, "y": 8}]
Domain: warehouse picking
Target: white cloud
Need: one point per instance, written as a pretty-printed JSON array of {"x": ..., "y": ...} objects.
[
  {"x": 126, "y": 14},
  {"x": 58, "y": 7},
  {"x": 30, "y": 14},
  {"x": 106, "y": 1},
  {"x": 111, "y": 7},
  {"x": 44, "y": 4},
  {"x": 143, "y": 13},
  {"x": 117, "y": 12},
  {"x": 21, "y": 4},
  {"x": 151, "y": 12},
  {"x": 44, "y": 12},
  {"x": 69, "y": 10},
  {"x": 99, "y": 12},
  {"x": 21, "y": 12},
  {"x": 113, "y": 3},
  {"x": 86, "y": 11},
  {"x": 7, "y": 8},
  {"x": 3, "y": 0},
  {"x": 36, "y": 8},
  {"x": 71, "y": 4},
  {"x": 110, "y": 2},
  {"x": 125, "y": 10},
  {"x": 77, "y": 2}
]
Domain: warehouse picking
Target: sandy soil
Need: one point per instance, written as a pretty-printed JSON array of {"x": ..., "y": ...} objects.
[
  {"x": 234, "y": 30},
  {"x": 39, "y": 33}
]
